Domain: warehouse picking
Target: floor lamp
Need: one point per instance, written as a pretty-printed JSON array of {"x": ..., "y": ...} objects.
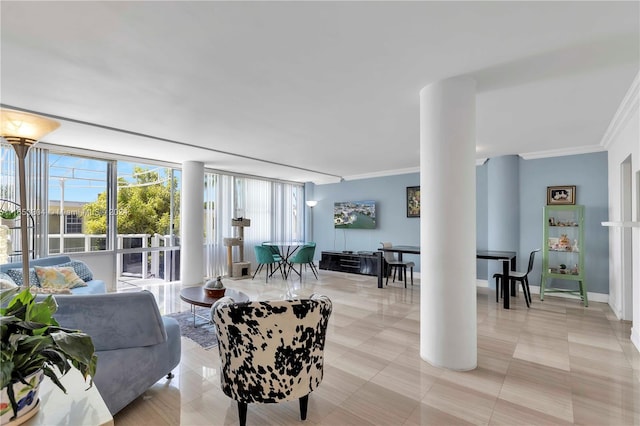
[
  {"x": 22, "y": 130},
  {"x": 311, "y": 204}
]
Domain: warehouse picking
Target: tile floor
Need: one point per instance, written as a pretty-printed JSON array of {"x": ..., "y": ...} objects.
[{"x": 556, "y": 363}]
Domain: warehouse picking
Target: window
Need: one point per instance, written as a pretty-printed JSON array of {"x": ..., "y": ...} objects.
[
  {"x": 80, "y": 199},
  {"x": 77, "y": 204},
  {"x": 148, "y": 215},
  {"x": 272, "y": 207},
  {"x": 73, "y": 224}
]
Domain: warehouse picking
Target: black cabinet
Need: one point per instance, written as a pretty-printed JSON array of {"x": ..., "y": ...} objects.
[{"x": 364, "y": 263}]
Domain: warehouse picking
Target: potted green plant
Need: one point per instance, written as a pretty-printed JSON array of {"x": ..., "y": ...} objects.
[
  {"x": 9, "y": 217},
  {"x": 32, "y": 345}
]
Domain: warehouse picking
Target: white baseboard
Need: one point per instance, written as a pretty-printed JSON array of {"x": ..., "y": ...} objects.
[
  {"x": 593, "y": 297},
  {"x": 635, "y": 337},
  {"x": 482, "y": 283}
]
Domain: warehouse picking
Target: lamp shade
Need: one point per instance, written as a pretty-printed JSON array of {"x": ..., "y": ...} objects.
[
  {"x": 21, "y": 127},
  {"x": 312, "y": 203}
]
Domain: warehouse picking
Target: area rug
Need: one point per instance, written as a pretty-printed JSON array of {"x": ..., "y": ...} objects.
[{"x": 203, "y": 334}]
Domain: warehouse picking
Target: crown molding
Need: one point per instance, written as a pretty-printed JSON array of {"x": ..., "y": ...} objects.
[
  {"x": 576, "y": 150},
  {"x": 628, "y": 106},
  {"x": 384, "y": 173}
]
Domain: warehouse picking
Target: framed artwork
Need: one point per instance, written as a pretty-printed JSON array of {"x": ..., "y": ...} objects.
[
  {"x": 561, "y": 195},
  {"x": 413, "y": 201}
]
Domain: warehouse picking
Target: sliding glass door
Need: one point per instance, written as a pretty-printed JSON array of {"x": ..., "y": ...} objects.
[{"x": 148, "y": 221}]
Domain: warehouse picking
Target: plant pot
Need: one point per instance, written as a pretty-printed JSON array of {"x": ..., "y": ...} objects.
[{"x": 26, "y": 397}]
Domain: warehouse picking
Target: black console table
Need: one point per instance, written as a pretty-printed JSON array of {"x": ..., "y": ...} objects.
[{"x": 364, "y": 263}]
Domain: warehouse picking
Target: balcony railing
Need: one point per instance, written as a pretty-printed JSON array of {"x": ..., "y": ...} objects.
[{"x": 160, "y": 255}]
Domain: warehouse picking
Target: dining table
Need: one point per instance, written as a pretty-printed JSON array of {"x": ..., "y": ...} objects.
[
  {"x": 286, "y": 250},
  {"x": 507, "y": 258}
]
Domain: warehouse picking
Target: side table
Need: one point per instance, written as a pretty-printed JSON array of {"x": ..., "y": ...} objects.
[
  {"x": 195, "y": 296},
  {"x": 77, "y": 407}
]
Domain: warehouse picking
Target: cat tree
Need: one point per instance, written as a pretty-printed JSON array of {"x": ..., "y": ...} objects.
[{"x": 240, "y": 268}]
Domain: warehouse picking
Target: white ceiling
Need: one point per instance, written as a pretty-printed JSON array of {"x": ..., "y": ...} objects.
[{"x": 327, "y": 87}]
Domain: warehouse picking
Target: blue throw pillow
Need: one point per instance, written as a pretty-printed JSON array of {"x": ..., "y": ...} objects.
[
  {"x": 81, "y": 269},
  {"x": 16, "y": 276}
]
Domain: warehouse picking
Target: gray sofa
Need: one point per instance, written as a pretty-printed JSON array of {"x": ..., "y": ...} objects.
[
  {"x": 135, "y": 345},
  {"x": 93, "y": 286}
]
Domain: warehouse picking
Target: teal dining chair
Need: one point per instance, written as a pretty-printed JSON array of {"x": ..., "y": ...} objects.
[
  {"x": 264, "y": 256},
  {"x": 278, "y": 255},
  {"x": 304, "y": 256}
]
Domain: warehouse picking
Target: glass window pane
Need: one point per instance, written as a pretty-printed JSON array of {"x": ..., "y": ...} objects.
[
  {"x": 77, "y": 206},
  {"x": 148, "y": 216}
]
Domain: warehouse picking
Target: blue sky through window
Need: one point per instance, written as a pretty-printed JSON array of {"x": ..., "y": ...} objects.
[{"x": 84, "y": 178}]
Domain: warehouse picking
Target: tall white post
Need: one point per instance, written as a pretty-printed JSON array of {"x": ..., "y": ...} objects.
[
  {"x": 191, "y": 224},
  {"x": 448, "y": 324}
]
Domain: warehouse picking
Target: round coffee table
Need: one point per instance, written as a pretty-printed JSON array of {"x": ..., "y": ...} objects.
[{"x": 195, "y": 296}]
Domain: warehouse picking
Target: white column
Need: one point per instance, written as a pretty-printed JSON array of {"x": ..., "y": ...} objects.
[
  {"x": 191, "y": 224},
  {"x": 448, "y": 327}
]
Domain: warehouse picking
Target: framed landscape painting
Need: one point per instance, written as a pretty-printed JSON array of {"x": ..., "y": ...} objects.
[{"x": 413, "y": 201}]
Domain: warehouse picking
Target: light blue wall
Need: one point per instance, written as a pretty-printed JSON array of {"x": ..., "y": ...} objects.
[
  {"x": 393, "y": 225},
  {"x": 587, "y": 171},
  {"x": 503, "y": 208}
]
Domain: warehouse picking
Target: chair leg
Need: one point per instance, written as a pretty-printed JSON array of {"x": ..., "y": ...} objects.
[
  {"x": 404, "y": 275},
  {"x": 242, "y": 413},
  {"x": 497, "y": 289},
  {"x": 411, "y": 276},
  {"x": 524, "y": 291},
  {"x": 304, "y": 401},
  {"x": 257, "y": 270},
  {"x": 528, "y": 294},
  {"x": 313, "y": 269}
]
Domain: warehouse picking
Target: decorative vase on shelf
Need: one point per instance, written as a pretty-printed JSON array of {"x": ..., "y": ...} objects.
[{"x": 214, "y": 288}]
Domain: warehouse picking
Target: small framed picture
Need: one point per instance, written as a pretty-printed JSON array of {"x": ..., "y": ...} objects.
[
  {"x": 413, "y": 201},
  {"x": 561, "y": 195}
]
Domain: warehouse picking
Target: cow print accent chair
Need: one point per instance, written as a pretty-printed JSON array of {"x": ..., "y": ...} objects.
[{"x": 271, "y": 351}]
